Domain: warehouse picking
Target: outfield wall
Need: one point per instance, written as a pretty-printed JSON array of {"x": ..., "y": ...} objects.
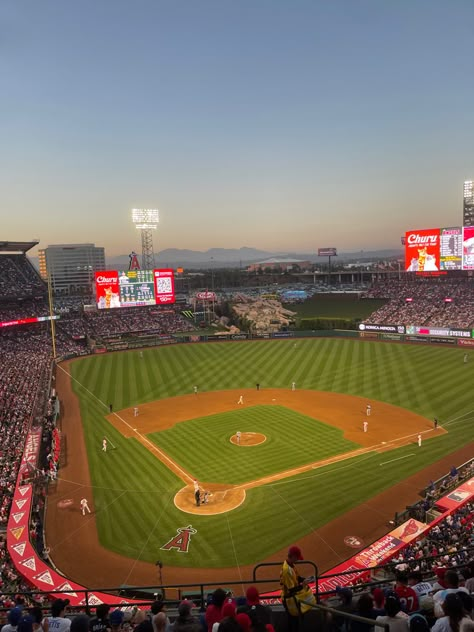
[{"x": 123, "y": 343}]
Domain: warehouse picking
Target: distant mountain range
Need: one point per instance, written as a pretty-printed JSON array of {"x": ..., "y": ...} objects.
[{"x": 233, "y": 257}]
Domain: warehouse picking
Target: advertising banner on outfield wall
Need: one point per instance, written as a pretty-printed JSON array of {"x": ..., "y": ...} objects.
[
  {"x": 396, "y": 329},
  {"x": 466, "y": 343}
]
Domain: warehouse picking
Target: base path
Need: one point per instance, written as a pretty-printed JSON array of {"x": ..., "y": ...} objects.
[
  {"x": 388, "y": 427},
  {"x": 75, "y": 548}
]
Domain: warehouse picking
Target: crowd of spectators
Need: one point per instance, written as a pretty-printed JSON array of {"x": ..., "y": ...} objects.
[
  {"x": 448, "y": 303},
  {"x": 19, "y": 278},
  {"x": 132, "y": 320}
]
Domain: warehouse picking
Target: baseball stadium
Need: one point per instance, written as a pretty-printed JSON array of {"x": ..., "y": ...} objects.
[{"x": 142, "y": 449}]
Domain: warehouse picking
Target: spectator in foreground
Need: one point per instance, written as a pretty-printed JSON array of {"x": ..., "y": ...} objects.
[
  {"x": 451, "y": 579},
  {"x": 453, "y": 615},
  {"x": 214, "y": 609},
  {"x": 252, "y": 604},
  {"x": 396, "y": 619},
  {"x": 296, "y": 595},
  {"x": 57, "y": 621},
  {"x": 185, "y": 621},
  {"x": 13, "y": 619},
  {"x": 100, "y": 622}
]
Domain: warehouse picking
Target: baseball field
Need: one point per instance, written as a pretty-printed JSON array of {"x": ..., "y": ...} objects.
[{"x": 304, "y": 471}]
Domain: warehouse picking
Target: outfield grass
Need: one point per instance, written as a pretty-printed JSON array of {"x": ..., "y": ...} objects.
[
  {"x": 336, "y": 306},
  {"x": 292, "y": 439},
  {"x": 133, "y": 491}
]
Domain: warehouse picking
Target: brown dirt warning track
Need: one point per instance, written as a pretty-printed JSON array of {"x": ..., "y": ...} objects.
[{"x": 73, "y": 539}]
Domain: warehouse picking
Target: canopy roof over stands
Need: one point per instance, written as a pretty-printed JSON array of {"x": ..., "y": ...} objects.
[{"x": 17, "y": 246}]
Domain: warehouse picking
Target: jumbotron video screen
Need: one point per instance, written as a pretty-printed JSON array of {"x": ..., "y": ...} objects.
[
  {"x": 439, "y": 249},
  {"x": 134, "y": 288}
]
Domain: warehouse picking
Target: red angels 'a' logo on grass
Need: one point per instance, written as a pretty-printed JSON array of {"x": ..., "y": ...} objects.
[{"x": 181, "y": 540}]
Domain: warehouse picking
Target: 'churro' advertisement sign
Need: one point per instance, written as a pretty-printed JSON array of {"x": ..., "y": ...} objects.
[
  {"x": 107, "y": 291},
  {"x": 422, "y": 250}
]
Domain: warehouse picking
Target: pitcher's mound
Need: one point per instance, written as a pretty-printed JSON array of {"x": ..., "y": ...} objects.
[{"x": 248, "y": 438}]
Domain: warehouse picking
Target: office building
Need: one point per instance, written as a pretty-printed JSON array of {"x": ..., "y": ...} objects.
[{"x": 71, "y": 267}]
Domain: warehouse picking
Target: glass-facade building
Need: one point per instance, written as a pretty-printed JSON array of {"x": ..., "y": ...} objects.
[{"x": 71, "y": 267}]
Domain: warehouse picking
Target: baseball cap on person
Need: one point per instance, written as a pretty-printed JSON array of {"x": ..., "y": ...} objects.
[
  {"x": 253, "y": 598},
  {"x": 295, "y": 551},
  {"x": 58, "y": 606},
  {"x": 116, "y": 617},
  {"x": 184, "y": 608}
]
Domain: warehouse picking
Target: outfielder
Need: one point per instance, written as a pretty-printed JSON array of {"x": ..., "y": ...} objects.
[
  {"x": 85, "y": 506},
  {"x": 241, "y": 400},
  {"x": 104, "y": 444}
]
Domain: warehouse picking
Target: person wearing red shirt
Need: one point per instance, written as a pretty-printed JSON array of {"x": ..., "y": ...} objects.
[
  {"x": 408, "y": 597},
  {"x": 214, "y": 609}
]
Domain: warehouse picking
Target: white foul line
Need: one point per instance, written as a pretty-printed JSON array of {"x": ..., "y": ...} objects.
[{"x": 398, "y": 458}]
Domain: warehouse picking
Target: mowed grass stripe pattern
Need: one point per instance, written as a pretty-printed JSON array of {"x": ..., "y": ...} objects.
[
  {"x": 292, "y": 439},
  {"x": 133, "y": 491}
]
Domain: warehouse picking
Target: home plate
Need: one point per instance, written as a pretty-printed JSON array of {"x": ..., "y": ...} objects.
[{"x": 384, "y": 442}]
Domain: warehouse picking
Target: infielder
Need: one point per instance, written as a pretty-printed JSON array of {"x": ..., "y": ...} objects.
[
  {"x": 135, "y": 412},
  {"x": 104, "y": 445},
  {"x": 241, "y": 400},
  {"x": 366, "y": 426},
  {"x": 238, "y": 435},
  {"x": 85, "y": 506},
  {"x": 419, "y": 440},
  {"x": 195, "y": 389},
  {"x": 368, "y": 410},
  {"x": 293, "y": 386}
]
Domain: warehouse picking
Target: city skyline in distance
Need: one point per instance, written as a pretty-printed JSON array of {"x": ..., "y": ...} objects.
[{"x": 286, "y": 129}]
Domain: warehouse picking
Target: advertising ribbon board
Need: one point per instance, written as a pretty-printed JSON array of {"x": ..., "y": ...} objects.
[{"x": 24, "y": 556}]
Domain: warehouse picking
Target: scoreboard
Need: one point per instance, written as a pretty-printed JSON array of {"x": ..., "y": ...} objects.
[{"x": 134, "y": 288}]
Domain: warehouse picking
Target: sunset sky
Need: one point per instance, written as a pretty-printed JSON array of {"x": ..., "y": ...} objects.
[{"x": 281, "y": 125}]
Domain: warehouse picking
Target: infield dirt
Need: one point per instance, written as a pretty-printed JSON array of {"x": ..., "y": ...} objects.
[{"x": 75, "y": 548}]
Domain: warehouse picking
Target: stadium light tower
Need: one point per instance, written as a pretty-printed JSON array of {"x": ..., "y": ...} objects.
[{"x": 146, "y": 220}]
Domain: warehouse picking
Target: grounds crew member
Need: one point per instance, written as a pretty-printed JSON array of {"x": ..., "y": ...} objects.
[{"x": 297, "y": 597}]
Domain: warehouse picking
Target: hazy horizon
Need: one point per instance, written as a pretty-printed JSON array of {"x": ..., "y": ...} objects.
[{"x": 289, "y": 126}]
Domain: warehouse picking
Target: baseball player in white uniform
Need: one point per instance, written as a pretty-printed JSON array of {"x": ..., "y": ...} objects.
[
  {"x": 419, "y": 440},
  {"x": 85, "y": 506},
  {"x": 241, "y": 400},
  {"x": 368, "y": 410},
  {"x": 238, "y": 434},
  {"x": 135, "y": 412},
  {"x": 104, "y": 445},
  {"x": 195, "y": 389},
  {"x": 293, "y": 386},
  {"x": 366, "y": 426}
]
